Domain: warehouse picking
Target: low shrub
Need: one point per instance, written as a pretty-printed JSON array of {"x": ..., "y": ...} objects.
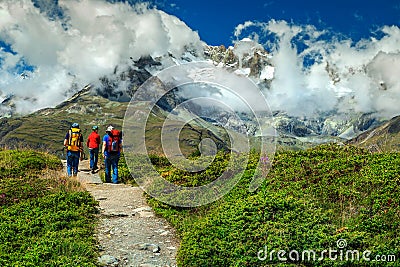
[
  {"x": 43, "y": 220},
  {"x": 310, "y": 200}
]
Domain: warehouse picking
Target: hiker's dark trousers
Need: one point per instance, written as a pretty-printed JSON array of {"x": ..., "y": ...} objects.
[
  {"x": 94, "y": 157},
  {"x": 72, "y": 162},
  {"x": 111, "y": 162}
]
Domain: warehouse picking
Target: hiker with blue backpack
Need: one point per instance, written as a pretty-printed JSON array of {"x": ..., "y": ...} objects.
[
  {"x": 73, "y": 142},
  {"x": 111, "y": 149}
]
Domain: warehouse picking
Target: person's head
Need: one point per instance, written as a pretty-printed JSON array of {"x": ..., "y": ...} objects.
[
  {"x": 95, "y": 128},
  {"x": 109, "y": 129},
  {"x": 75, "y": 125}
]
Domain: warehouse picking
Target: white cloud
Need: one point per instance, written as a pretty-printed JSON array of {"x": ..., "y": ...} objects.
[
  {"x": 88, "y": 41},
  {"x": 241, "y": 27},
  {"x": 91, "y": 37},
  {"x": 345, "y": 76}
]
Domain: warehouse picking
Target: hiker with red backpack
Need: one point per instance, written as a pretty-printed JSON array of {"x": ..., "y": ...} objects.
[
  {"x": 93, "y": 143},
  {"x": 73, "y": 142},
  {"x": 112, "y": 145}
]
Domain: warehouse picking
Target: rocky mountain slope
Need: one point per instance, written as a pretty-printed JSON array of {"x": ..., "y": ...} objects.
[
  {"x": 105, "y": 100},
  {"x": 46, "y": 129},
  {"x": 386, "y": 137}
]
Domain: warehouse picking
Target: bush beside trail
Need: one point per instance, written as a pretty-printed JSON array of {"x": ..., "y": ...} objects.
[
  {"x": 308, "y": 201},
  {"x": 45, "y": 219}
]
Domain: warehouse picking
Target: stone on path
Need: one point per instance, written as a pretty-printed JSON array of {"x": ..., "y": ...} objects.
[{"x": 107, "y": 260}]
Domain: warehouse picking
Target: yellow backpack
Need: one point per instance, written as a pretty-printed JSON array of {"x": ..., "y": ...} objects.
[{"x": 74, "y": 142}]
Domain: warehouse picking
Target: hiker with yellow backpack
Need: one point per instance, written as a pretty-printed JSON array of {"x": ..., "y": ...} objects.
[{"x": 74, "y": 144}]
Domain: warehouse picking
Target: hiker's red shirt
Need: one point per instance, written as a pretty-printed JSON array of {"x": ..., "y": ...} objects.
[{"x": 93, "y": 140}]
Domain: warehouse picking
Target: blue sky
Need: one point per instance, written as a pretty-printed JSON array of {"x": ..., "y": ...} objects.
[{"x": 215, "y": 21}]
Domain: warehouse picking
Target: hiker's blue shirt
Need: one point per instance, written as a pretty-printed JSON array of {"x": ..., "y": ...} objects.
[{"x": 107, "y": 139}]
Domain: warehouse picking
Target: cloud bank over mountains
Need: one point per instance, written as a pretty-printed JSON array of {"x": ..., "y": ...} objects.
[
  {"x": 48, "y": 51},
  {"x": 317, "y": 71},
  {"x": 78, "y": 42}
]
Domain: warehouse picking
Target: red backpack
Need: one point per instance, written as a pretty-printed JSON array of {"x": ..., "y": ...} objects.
[{"x": 114, "y": 141}]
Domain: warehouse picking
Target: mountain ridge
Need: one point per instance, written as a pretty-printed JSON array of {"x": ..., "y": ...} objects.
[
  {"x": 385, "y": 137},
  {"x": 246, "y": 58},
  {"x": 45, "y": 129}
]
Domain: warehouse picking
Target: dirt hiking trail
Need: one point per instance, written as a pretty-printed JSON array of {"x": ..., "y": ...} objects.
[{"x": 129, "y": 233}]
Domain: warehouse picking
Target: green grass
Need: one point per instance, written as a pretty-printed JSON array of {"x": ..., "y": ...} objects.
[
  {"x": 45, "y": 219},
  {"x": 45, "y": 130},
  {"x": 309, "y": 200}
]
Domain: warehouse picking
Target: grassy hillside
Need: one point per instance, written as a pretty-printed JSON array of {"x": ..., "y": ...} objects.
[
  {"x": 325, "y": 198},
  {"x": 383, "y": 138},
  {"x": 45, "y": 129},
  {"x": 45, "y": 219}
]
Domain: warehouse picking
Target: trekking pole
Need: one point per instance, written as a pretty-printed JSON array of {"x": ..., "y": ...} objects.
[
  {"x": 82, "y": 155},
  {"x": 64, "y": 152}
]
